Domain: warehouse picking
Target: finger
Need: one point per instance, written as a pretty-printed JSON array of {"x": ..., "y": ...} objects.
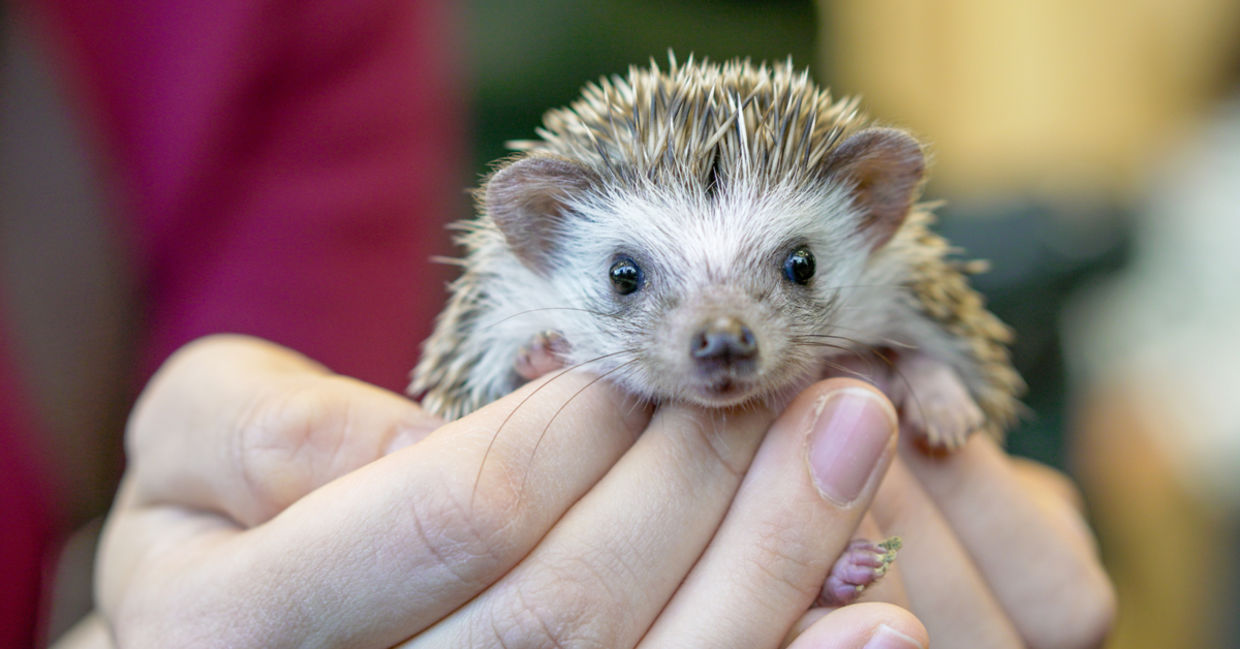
[
  {"x": 944, "y": 587},
  {"x": 862, "y": 626},
  {"x": 138, "y": 557},
  {"x": 244, "y": 427},
  {"x": 398, "y": 543},
  {"x": 606, "y": 569},
  {"x": 797, "y": 508},
  {"x": 1006, "y": 528},
  {"x": 1050, "y": 489}
]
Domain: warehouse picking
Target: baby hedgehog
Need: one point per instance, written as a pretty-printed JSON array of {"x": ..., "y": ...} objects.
[{"x": 718, "y": 234}]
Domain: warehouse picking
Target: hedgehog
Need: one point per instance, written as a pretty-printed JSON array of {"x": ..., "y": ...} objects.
[{"x": 719, "y": 234}]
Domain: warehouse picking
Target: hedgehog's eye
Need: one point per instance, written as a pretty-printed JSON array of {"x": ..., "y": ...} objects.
[
  {"x": 799, "y": 266},
  {"x": 626, "y": 276}
]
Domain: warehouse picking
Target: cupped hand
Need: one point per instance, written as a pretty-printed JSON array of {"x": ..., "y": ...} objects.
[
  {"x": 996, "y": 552},
  {"x": 268, "y": 503}
]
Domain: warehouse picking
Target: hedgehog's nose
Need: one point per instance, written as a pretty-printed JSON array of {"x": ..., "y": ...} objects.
[{"x": 725, "y": 341}]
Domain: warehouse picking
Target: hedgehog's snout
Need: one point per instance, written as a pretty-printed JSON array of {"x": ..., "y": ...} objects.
[{"x": 724, "y": 344}]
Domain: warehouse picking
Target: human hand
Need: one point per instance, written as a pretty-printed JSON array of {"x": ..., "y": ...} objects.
[
  {"x": 268, "y": 503},
  {"x": 996, "y": 551}
]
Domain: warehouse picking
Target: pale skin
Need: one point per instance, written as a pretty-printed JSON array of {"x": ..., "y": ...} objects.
[{"x": 268, "y": 503}]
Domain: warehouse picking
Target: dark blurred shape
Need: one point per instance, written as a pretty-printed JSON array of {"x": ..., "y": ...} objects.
[
  {"x": 530, "y": 57},
  {"x": 1038, "y": 257}
]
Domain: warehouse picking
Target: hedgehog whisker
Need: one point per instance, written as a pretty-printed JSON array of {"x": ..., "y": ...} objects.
[
  {"x": 840, "y": 287},
  {"x": 538, "y": 442},
  {"x": 886, "y": 341},
  {"x": 820, "y": 343},
  {"x": 557, "y": 308},
  {"x": 818, "y": 336},
  {"x": 844, "y": 369},
  {"x": 868, "y": 372},
  {"x": 895, "y": 369},
  {"x": 511, "y": 413},
  {"x": 869, "y": 355},
  {"x": 856, "y": 348},
  {"x": 843, "y": 342}
]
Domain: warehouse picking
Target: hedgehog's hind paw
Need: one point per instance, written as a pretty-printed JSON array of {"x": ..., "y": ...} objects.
[
  {"x": 862, "y": 564},
  {"x": 541, "y": 355}
]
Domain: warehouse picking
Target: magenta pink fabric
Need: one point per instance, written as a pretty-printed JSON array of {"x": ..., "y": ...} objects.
[
  {"x": 282, "y": 169},
  {"x": 27, "y": 513}
]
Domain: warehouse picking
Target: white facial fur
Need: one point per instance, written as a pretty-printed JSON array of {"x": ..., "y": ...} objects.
[{"x": 702, "y": 256}]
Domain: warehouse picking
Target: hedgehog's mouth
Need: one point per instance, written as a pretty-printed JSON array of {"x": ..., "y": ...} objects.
[{"x": 723, "y": 391}]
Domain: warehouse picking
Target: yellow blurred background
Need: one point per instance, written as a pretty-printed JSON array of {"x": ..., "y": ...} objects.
[
  {"x": 1061, "y": 134},
  {"x": 1056, "y": 97},
  {"x": 1076, "y": 105}
]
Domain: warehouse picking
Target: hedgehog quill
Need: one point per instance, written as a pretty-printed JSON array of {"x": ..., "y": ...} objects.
[{"x": 720, "y": 234}]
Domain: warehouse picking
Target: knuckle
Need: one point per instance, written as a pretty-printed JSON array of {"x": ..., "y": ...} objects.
[
  {"x": 553, "y": 608},
  {"x": 298, "y": 433},
  {"x": 166, "y": 390},
  {"x": 281, "y": 439},
  {"x": 785, "y": 561},
  {"x": 467, "y": 532},
  {"x": 1049, "y": 482}
]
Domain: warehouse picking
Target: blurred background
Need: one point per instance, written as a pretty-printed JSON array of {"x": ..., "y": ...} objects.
[{"x": 1090, "y": 150}]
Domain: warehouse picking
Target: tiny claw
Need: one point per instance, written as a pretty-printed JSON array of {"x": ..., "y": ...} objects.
[{"x": 862, "y": 564}]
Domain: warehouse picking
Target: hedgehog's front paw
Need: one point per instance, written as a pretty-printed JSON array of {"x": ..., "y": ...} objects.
[
  {"x": 934, "y": 403},
  {"x": 541, "y": 355},
  {"x": 862, "y": 564}
]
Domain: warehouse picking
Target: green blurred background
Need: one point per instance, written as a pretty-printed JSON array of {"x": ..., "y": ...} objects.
[{"x": 529, "y": 57}]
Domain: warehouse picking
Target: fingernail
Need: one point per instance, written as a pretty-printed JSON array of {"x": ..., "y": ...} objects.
[
  {"x": 886, "y": 637},
  {"x": 851, "y": 434}
]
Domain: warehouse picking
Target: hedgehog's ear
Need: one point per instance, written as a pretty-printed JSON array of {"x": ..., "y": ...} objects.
[
  {"x": 884, "y": 167},
  {"x": 528, "y": 202}
]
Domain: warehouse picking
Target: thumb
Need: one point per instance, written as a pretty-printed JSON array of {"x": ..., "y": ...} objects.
[
  {"x": 241, "y": 426},
  {"x": 861, "y": 626}
]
